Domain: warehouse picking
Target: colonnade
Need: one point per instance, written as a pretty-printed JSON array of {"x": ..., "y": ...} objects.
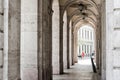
[{"x": 39, "y": 39}]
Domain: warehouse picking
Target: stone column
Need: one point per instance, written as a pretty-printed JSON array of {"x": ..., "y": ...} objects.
[
  {"x": 65, "y": 40},
  {"x": 55, "y": 38},
  {"x": 44, "y": 40},
  {"x": 12, "y": 39},
  {"x": 61, "y": 40},
  {"x": 72, "y": 42},
  {"x": 1, "y": 39},
  {"x": 68, "y": 42},
  {"x": 29, "y": 43},
  {"x": 75, "y": 46},
  {"x": 97, "y": 46},
  {"x": 103, "y": 43}
]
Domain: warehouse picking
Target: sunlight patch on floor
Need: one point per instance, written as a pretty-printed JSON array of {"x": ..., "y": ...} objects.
[{"x": 84, "y": 61}]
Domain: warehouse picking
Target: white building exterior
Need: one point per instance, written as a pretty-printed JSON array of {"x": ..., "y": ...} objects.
[{"x": 86, "y": 40}]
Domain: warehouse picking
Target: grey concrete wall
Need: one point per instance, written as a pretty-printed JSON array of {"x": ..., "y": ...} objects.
[{"x": 29, "y": 40}]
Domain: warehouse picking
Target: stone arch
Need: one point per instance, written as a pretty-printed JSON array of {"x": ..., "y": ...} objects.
[
  {"x": 85, "y": 23},
  {"x": 76, "y": 28},
  {"x": 89, "y": 19},
  {"x": 77, "y": 12},
  {"x": 70, "y": 2}
]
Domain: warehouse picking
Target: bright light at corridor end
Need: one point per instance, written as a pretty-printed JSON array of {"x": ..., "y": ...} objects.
[{"x": 86, "y": 42}]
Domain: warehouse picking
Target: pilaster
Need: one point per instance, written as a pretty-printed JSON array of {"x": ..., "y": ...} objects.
[
  {"x": 12, "y": 23},
  {"x": 44, "y": 40},
  {"x": 61, "y": 41}
]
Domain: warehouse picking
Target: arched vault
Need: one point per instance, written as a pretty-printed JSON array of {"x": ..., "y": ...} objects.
[{"x": 82, "y": 10}]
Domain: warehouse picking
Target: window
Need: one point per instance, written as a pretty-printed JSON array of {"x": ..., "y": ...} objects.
[
  {"x": 91, "y": 35},
  {"x": 79, "y": 49},
  {"x": 90, "y": 48},
  {"x": 85, "y": 48},
  {"x": 82, "y": 33},
  {"x": 82, "y": 48},
  {"x": 85, "y": 34},
  {"x": 88, "y": 35}
]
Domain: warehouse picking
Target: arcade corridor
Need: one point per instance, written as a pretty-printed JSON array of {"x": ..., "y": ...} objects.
[
  {"x": 38, "y": 39},
  {"x": 80, "y": 71}
]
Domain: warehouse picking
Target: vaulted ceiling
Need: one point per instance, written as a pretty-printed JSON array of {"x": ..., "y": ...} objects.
[{"x": 82, "y": 10}]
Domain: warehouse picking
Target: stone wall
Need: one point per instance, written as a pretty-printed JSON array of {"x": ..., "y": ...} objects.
[
  {"x": 116, "y": 39},
  {"x": 111, "y": 40}
]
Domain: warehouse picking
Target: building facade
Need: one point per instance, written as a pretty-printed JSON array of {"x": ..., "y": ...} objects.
[{"x": 86, "y": 40}]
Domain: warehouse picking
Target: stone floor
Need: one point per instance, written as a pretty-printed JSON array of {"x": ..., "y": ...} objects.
[{"x": 80, "y": 71}]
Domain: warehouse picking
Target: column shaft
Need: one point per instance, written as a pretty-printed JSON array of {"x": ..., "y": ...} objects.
[
  {"x": 12, "y": 39},
  {"x": 68, "y": 54},
  {"x": 61, "y": 43},
  {"x": 44, "y": 40},
  {"x": 72, "y": 47}
]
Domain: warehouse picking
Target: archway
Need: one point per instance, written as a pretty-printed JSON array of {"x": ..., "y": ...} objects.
[
  {"x": 78, "y": 12},
  {"x": 86, "y": 40}
]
